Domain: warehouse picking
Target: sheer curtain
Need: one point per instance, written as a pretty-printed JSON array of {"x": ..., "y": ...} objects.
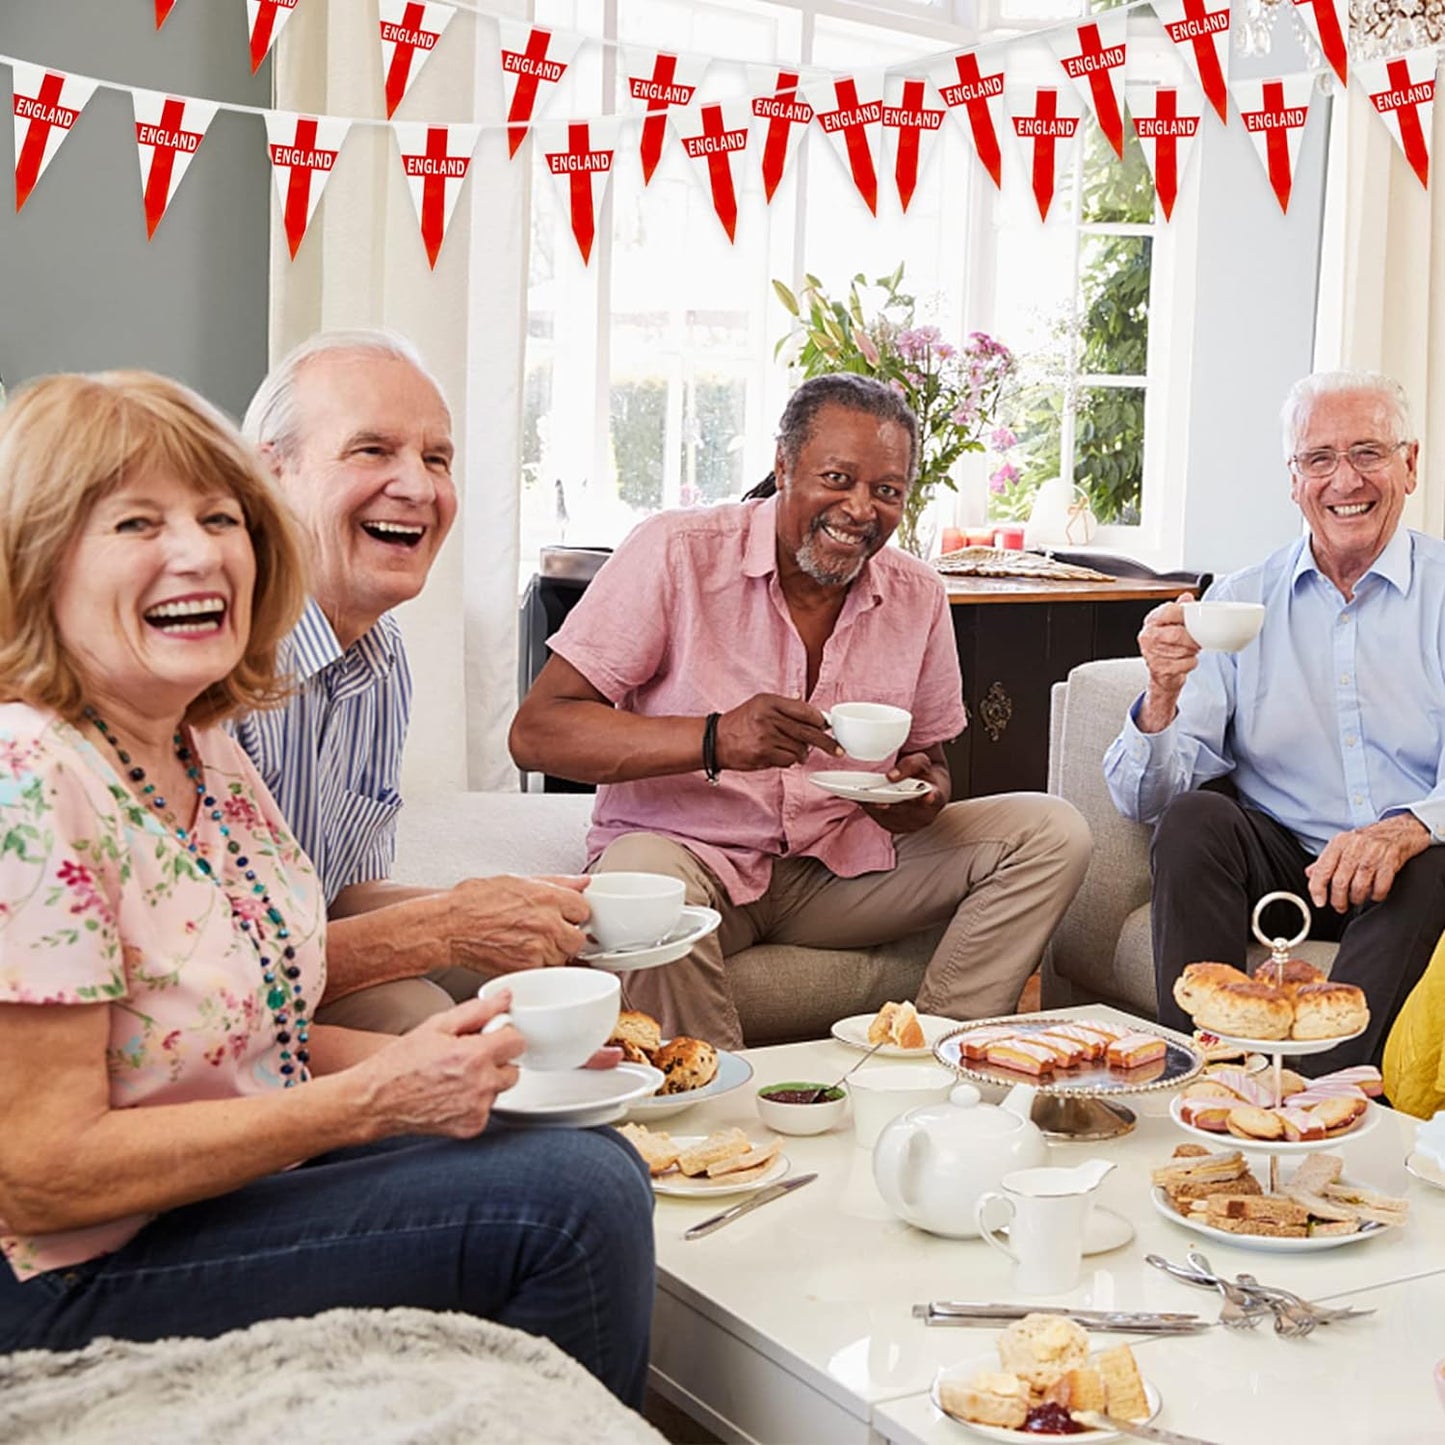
[
  {"x": 363, "y": 264},
  {"x": 1382, "y": 279}
]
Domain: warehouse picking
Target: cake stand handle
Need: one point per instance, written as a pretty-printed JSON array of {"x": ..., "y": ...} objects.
[{"x": 1280, "y": 947}]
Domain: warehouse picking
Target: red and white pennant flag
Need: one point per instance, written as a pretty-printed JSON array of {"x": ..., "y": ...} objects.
[
  {"x": 533, "y": 64},
  {"x": 1402, "y": 93},
  {"x": 409, "y": 33},
  {"x": 1200, "y": 31},
  {"x": 715, "y": 138},
  {"x": 163, "y": 11},
  {"x": 849, "y": 108},
  {"x": 1274, "y": 113},
  {"x": 46, "y": 104},
  {"x": 1093, "y": 56},
  {"x": 303, "y": 151},
  {"x": 580, "y": 155},
  {"x": 435, "y": 159},
  {"x": 169, "y": 130},
  {"x": 1328, "y": 22},
  {"x": 267, "y": 19},
  {"x": 783, "y": 114},
  {"x": 1046, "y": 120},
  {"x": 912, "y": 118},
  {"x": 1166, "y": 120},
  {"x": 971, "y": 85},
  {"x": 655, "y": 81}
]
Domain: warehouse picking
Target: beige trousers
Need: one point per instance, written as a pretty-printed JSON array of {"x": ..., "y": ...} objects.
[
  {"x": 1000, "y": 871},
  {"x": 398, "y": 1007}
]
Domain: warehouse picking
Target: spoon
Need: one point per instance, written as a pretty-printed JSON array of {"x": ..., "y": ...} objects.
[{"x": 828, "y": 1088}]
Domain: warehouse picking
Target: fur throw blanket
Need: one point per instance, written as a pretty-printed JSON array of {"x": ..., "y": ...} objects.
[{"x": 347, "y": 1376}]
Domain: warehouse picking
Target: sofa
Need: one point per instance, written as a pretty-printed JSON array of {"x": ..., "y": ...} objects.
[
  {"x": 1101, "y": 951},
  {"x": 783, "y": 992}
]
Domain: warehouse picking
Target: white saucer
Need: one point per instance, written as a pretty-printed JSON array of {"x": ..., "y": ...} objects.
[
  {"x": 1104, "y": 1231},
  {"x": 697, "y": 922},
  {"x": 1365, "y": 1122},
  {"x": 732, "y": 1071},
  {"x": 859, "y": 787},
  {"x": 853, "y": 1031},
  {"x": 1268, "y": 1244},
  {"x": 1286, "y": 1048},
  {"x": 576, "y": 1098},
  {"x": 1425, "y": 1169},
  {"x": 699, "y": 1186}
]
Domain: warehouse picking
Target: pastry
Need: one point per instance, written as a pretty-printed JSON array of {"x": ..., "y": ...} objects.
[
  {"x": 1365, "y": 1077},
  {"x": 1244, "y": 1086},
  {"x": 1245, "y": 1010},
  {"x": 1300, "y": 1125},
  {"x": 1196, "y": 976},
  {"x": 990, "y": 1398},
  {"x": 1289, "y": 975},
  {"x": 1123, "y": 1386},
  {"x": 1248, "y": 1122},
  {"x": 974, "y": 1044},
  {"x": 1208, "y": 1089},
  {"x": 1329, "y": 1010},
  {"x": 1071, "y": 1052},
  {"x": 1338, "y": 1114},
  {"x": 686, "y": 1064},
  {"x": 640, "y": 1030},
  {"x": 1093, "y": 1042},
  {"x": 1135, "y": 1050},
  {"x": 1210, "y": 1114},
  {"x": 897, "y": 1023},
  {"x": 1022, "y": 1055},
  {"x": 1081, "y": 1389},
  {"x": 1040, "y": 1349}
]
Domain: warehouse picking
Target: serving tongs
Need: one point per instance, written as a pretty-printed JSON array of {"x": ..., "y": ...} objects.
[{"x": 1138, "y": 1322}]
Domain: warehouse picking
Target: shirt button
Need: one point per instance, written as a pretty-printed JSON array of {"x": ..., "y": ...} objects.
[
  {"x": 1344, "y": 617},
  {"x": 1345, "y": 679},
  {"x": 1357, "y": 800},
  {"x": 1350, "y": 741}
]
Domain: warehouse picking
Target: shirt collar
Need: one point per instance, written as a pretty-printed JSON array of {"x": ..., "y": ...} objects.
[
  {"x": 1395, "y": 563},
  {"x": 312, "y": 646}
]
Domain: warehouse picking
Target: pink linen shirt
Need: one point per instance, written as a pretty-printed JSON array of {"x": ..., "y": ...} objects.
[
  {"x": 689, "y": 618},
  {"x": 101, "y": 903}
]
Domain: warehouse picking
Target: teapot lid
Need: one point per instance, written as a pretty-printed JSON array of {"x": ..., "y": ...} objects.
[{"x": 965, "y": 1114}]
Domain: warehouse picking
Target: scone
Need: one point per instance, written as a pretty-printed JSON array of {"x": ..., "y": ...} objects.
[
  {"x": 1245, "y": 1010},
  {"x": 686, "y": 1064},
  {"x": 1290, "y": 975},
  {"x": 897, "y": 1023},
  {"x": 640, "y": 1030},
  {"x": 1197, "y": 976},
  {"x": 990, "y": 1398},
  {"x": 1041, "y": 1349},
  {"x": 1329, "y": 1010}
]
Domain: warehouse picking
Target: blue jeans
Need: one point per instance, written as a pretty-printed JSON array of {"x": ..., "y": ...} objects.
[{"x": 546, "y": 1230}]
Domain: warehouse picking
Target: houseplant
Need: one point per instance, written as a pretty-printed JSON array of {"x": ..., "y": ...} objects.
[{"x": 955, "y": 391}]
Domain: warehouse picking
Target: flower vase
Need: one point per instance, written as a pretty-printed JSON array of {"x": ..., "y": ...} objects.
[{"x": 918, "y": 529}]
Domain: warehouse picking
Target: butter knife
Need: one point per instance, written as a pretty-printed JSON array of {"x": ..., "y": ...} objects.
[
  {"x": 1096, "y": 1419},
  {"x": 763, "y": 1196}
]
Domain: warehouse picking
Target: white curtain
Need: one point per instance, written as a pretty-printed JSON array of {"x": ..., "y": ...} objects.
[
  {"x": 1382, "y": 278},
  {"x": 363, "y": 264}
]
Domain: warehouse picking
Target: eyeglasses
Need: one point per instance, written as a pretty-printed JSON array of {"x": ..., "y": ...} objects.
[{"x": 1364, "y": 457}]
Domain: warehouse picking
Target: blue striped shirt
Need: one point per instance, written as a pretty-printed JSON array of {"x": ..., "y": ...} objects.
[{"x": 332, "y": 755}]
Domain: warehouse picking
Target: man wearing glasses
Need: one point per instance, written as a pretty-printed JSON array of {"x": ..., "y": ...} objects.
[{"x": 1329, "y": 726}]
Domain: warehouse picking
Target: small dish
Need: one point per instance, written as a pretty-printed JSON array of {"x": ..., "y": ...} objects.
[
  {"x": 1425, "y": 1168},
  {"x": 860, "y": 787},
  {"x": 575, "y": 1098},
  {"x": 732, "y": 1072},
  {"x": 793, "y": 1116},
  {"x": 853, "y": 1031},
  {"x": 697, "y": 922},
  {"x": 698, "y": 1186}
]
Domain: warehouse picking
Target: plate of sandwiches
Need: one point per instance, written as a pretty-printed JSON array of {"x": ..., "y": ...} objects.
[
  {"x": 1218, "y": 1195},
  {"x": 692, "y": 1069},
  {"x": 703, "y": 1166},
  {"x": 1082, "y": 1056},
  {"x": 1286, "y": 1007},
  {"x": 899, "y": 1030},
  {"x": 1044, "y": 1381},
  {"x": 1229, "y": 1101}
]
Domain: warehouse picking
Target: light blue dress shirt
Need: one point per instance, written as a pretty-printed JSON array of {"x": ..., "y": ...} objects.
[{"x": 1331, "y": 719}]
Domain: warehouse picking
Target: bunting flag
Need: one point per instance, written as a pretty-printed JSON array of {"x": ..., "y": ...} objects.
[
  {"x": 715, "y": 138},
  {"x": 1274, "y": 113},
  {"x": 46, "y": 104},
  {"x": 531, "y": 58},
  {"x": 267, "y": 19},
  {"x": 163, "y": 11},
  {"x": 1092, "y": 55},
  {"x": 784, "y": 113},
  {"x": 303, "y": 151},
  {"x": 409, "y": 33},
  {"x": 580, "y": 155},
  {"x": 435, "y": 160},
  {"x": 846, "y": 108},
  {"x": 1402, "y": 92},
  {"x": 1201, "y": 35},
  {"x": 656, "y": 81},
  {"x": 974, "y": 89},
  {"x": 1166, "y": 120},
  {"x": 910, "y": 113},
  {"x": 1046, "y": 121},
  {"x": 169, "y": 130},
  {"x": 1327, "y": 21}
]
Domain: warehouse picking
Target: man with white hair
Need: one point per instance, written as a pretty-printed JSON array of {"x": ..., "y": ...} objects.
[
  {"x": 358, "y": 435},
  {"x": 1330, "y": 726}
]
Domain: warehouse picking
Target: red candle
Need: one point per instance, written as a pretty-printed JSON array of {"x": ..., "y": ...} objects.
[
  {"x": 952, "y": 539},
  {"x": 1011, "y": 538},
  {"x": 979, "y": 536}
]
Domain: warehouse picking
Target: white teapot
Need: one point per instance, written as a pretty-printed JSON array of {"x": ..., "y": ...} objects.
[{"x": 933, "y": 1163}]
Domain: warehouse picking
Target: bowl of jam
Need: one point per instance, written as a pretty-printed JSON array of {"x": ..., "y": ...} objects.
[{"x": 800, "y": 1107}]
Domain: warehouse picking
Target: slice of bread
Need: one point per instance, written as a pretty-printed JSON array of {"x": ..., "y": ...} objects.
[
  {"x": 658, "y": 1151},
  {"x": 1081, "y": 1389},
  {"x": 758, "y": 1158},
  {"x": 725, "y": 1144}
]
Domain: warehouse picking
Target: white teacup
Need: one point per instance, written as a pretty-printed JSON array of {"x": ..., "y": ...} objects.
[
  {"x": 564, "y": 1014},
  {"x": 631, "y": 910},
  {"x": 869, "y": 731},
  {"x": 1047, "y": 1213},
  {"x": 881, "y": 1092},
  {"x": 1225, "y": 626}
]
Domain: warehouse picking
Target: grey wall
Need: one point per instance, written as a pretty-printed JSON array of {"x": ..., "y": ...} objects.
[{"x": 80, "y": 286}]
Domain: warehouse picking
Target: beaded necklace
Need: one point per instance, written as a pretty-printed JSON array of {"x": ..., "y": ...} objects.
[{"x": 284, "y": 996}]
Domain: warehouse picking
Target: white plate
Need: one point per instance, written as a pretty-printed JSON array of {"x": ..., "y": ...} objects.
[
  {"x": 1425, "y": 1169},
  {"x": 1268, "y": 1244},
  {"x": 732, "y": 1070},
  {"x": 1286, "y": 1048},
  {"x": 577, "y": 1098},
  {"x": 853, "y": 1031},
  {"x": 969, "y": 1368},
  {"x": 681, "y": 1186},
  {"x": 696, "y": 922},
  {"x": 1363, "y": 1124},
  {"x": 869, "y": 787}
]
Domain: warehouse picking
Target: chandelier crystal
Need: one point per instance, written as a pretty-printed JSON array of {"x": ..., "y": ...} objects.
[{"x": 1377, "y": 27}]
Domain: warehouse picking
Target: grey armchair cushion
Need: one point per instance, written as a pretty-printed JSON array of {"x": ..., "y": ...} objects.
[{"x": 1101, "y": 951}]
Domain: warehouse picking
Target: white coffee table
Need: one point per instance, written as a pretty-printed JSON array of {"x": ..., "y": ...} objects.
[{"x": 794, "y": 1323}]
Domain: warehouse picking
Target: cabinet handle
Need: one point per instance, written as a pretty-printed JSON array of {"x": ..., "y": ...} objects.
[{"x": 996, "y": 710}]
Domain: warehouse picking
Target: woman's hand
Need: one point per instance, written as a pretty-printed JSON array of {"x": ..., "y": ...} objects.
[{"x": 443, "y": 1077}]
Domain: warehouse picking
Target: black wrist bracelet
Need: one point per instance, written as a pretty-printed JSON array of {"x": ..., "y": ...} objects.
[{"x": 709, "y": 748}]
